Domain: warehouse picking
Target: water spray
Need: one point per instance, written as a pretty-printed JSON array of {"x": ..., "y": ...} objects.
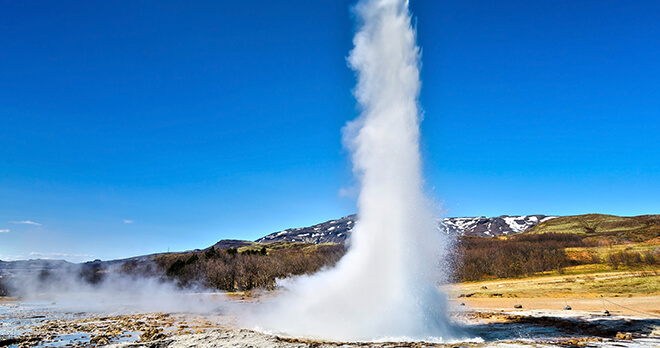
[{"x": 386, "y": 286}]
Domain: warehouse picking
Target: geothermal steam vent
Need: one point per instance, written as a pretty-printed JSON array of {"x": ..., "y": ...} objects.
[{"x": 385, "y": 287}]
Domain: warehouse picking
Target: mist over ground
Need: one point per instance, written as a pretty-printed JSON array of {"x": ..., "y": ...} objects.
[{"x": 93, "y": 287}]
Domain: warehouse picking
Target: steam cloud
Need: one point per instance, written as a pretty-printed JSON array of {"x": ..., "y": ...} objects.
[
  {"x": 385, "y": 287},
  {"x": 83, "y": 287}
]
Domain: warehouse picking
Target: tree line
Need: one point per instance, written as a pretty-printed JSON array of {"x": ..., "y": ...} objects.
[
  {"x": 515, "y": 256},
  {"x": 231, "y": 270},
  {"x": 526, "y": 254}
]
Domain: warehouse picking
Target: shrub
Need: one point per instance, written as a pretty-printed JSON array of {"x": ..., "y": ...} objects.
[
  {"x": 210, "y": 253},
  {"x": 175, "y": 268},
  {"x": 650, "y": 258}
]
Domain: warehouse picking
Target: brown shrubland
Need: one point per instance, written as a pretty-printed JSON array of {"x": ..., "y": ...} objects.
[{"x": 231, "y": 270}]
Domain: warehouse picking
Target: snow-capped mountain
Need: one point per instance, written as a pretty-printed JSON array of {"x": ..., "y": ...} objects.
[
  {"x": 333, "y": 231},
  {"x": 489, "y": 227},
  {"x": 336, "y": 231}
]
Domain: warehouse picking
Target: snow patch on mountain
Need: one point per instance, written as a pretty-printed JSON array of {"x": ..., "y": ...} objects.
[{"x": 337, "y": 231}]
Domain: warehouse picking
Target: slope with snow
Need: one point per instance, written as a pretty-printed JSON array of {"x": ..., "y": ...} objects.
[
  {"x": 333, "y": 231},
  {"x": 337, "y": 231}
]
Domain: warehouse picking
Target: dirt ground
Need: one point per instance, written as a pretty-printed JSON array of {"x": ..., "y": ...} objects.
[
  {"x": 644, "y": 306},
  {"x": 620, "y": 293},
  {"x": 492, "y": 320},
  {"x": 488, "y": 308}
]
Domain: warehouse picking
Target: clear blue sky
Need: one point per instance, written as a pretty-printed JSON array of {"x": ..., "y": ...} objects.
[{"x": 133, "y": 127}]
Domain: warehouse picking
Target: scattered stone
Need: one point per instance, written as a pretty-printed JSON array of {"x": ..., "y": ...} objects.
[
  {"x": 606, "y": 312},
  {"x": 152, "y": 334},
  {"x": 581, "y": 342},
  {"x": 567, "y": 308},
  {"x": 484, "y": 287},
  {"x": 100, "y": 340},
  {"x": 624, "y": 336},
  {"x": 517, "y": 306},
  {"x": 462, "y": 303}
]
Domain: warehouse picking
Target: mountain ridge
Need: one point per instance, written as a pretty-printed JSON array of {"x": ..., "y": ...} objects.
[{"x": 337, "y": 231}]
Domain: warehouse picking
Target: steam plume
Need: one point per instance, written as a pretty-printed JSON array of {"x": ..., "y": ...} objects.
[
  {"x": 106, "y": 289},
  {"x": 386, "y": 285}
]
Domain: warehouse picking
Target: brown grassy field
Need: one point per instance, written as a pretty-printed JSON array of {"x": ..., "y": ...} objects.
[
  {"x": 606, "y": 229},
  {"x": 588, "y": 288}
]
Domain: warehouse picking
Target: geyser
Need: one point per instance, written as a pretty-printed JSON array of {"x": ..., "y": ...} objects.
[{"x": 385, "y": 287}]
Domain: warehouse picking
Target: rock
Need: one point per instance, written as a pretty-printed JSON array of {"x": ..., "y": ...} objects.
[
  {"x": 567, "y": 307},
  {"x": 517, "y": 306},
  {"x": 151, "y": 334},
  {"x": 100, "y": 340},
  {"x": 624, "y": 336},
  {"x": 606, "y": 312}
]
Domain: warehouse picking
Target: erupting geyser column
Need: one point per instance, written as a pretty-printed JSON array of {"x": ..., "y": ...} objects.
[{"x": 386, "y": 284}]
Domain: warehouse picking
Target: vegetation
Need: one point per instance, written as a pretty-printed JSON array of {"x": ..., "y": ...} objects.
[
  {"x": 631, "y": 243},
  {"x": 565, "y": 246},
  {"x": 519, "y": 255},
  {"x": 605, "y": 230},
  {"x": 256, "y": 266},
  {"x": 575, "y": 283}
]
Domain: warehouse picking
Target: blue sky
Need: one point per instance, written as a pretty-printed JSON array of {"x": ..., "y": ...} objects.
[{"x": 137, "y": 127}]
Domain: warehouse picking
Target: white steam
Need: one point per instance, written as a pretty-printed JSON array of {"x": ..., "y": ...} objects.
[
  {"x": 385, "y": 287},
  {"x": 107, "y": 290}
]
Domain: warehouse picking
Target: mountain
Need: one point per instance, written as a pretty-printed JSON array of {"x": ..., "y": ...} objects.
[
  {"x": 231, "y": 243},
  {"x": 333, "y": 231},
  {"x": 337, "y": 231},
  {"x": 491, "y": 226}
]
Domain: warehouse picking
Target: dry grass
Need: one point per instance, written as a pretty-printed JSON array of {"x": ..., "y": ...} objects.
[
  {"x": 605, "y": 229},
  {"x": 590, "y": 288},
  {"x": 602, "y": 251},
  {"x": 578, "y": 284}
]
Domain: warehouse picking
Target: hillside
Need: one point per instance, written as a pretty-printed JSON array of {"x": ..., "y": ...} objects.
[
  {"x": 604, "y": 229},
  {"x": 337, "y": 231},
  {"x": 482, "y": 226}
]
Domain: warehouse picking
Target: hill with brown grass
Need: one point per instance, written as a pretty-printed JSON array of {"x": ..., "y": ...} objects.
[{"x": 604, "y": 229}]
